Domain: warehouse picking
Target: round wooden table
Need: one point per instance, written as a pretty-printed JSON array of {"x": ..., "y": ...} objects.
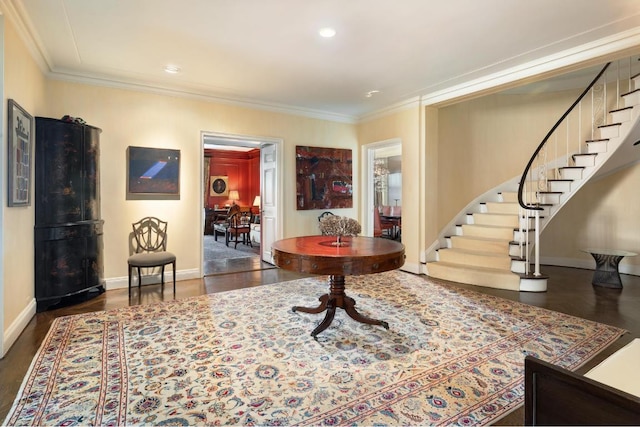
[{"x": 322, "y": 255}]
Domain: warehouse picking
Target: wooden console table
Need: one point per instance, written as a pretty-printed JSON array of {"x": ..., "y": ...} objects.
[{"x": 321, "y": 255}]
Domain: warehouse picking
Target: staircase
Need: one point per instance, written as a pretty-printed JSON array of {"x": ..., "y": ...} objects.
[{"x": 491, "y": 241}]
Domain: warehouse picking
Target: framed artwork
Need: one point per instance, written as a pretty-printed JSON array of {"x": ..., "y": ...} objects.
[
  {"x": 20, "y": 142},
  {"x": 219, "y": 186},
  {"x": 324, "y": 178},
  {"x": 153, "y": 173}
]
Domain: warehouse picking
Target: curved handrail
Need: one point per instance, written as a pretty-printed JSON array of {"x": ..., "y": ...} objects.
[{"x": 546, "y": 138}]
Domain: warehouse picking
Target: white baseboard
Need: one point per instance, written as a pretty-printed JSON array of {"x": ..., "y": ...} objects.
[
  {"x": 587, "y": 264},
  {"x": 15, "y": 329},
  {"x": 411, "y": 268}
]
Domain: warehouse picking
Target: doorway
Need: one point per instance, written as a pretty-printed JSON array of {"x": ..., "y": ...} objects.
[
  {"x": 383, "y": 181},
  {"x": 233, "y": 174}
]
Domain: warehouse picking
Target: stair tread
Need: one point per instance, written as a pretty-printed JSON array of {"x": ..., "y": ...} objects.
[
  {"x": 621, "y": 109},
  {"x": 477, "y": 253},
  {"x": 481, "y": 238},
  {"x": 487, "y": 226},
  {"x": 609, "y": 125},
  {"x": 630, "y": 92}
]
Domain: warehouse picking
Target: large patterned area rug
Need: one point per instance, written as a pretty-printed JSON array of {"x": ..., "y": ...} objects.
[{"x": 451, "y": 356}]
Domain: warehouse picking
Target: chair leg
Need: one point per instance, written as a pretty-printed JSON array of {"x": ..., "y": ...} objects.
[
  {"x": 174, "y": 278},
  {"x": 162, "y": 277},
  {"x": 139, "y": 280},
  {"x": 129, "y": 267}
]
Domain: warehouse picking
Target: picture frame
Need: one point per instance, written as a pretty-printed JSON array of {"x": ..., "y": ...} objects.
[
  {"x": 153, "y": 173},
  {"x": 324, "y": 178},
  {"x": 21, "y": 133},
  {"x": 219, "y": 186}
]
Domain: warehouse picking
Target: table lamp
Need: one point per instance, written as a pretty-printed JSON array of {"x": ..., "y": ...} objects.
[
  {"x": 256, "y": 202},
  {"x": 233, "y": 196}
]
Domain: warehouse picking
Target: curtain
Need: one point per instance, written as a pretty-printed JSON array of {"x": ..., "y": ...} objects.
[{"x": 206, "y": 174}]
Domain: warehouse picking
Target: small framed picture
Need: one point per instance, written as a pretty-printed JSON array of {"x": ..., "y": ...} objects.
[
  {"x": 153, "y": 173},
  {"x": 21, "y": 132},
  {"x": 219, "y": 186}
]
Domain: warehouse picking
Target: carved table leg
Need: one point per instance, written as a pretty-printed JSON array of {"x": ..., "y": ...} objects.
[{"x": 334, "y": 299}]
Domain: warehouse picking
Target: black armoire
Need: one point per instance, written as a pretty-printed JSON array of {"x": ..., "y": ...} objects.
[{"x": 68, "y": 228}]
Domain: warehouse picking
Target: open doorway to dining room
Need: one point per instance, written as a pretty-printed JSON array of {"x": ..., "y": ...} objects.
[
  {"x": 383, "y": 184},
  {"x": 232, "y": 177}
]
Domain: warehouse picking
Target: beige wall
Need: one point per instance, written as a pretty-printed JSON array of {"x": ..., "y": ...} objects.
[
  {"x": 604, "y": 214},
  {"x": 476, "y": 136},
  {"x": 404, "y": 125},
  {"x": 142, "y": 119},
  {"x": 485, "y": 142},
  {"x": 24, "y": 83}
]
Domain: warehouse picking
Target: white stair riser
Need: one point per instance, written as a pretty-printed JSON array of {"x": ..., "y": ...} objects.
[
  {"x": 571, "y": 173},
  {"x": 597, "y": 146},
  {"x": 562, "y": 186},
  {"x": 621, "y": 116},
  {"x": 517, "y": 235},
  {"x": 514, "y": 250},
  {"x": 518, "y": 266},
  {"x": 609, "y": 132},
  {"x": 586, "y": 161},
  {"x": 549, "y": 198},
  {"x": 631, "y": 99}
]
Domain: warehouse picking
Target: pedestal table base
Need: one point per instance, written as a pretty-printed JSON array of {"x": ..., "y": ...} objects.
[{"x": 337, "y": 298}]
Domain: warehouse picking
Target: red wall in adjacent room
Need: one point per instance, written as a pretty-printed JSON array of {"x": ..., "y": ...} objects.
[{"x": 242, "y": 170}]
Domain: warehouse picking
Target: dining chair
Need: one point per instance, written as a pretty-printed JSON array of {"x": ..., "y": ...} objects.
[
  {"x": 151, "y": 249},
  {"x": 221, "y": 222},
  {"x": 238, "y": 229},
  {"x": 381, "y": 228}
]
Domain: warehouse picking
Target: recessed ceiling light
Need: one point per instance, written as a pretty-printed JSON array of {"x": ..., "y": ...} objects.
[
  {"x": 327, "y": 32},
  {"x": 172, "y": 69},
  {"x": 371, "y": 93}
]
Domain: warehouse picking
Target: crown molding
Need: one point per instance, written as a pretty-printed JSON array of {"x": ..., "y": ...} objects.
[
  {"x": 578, "y": 57},
  {"x": 200, "y": 96},
  {"x": 391, "y": 109},
  {"x": 14, "y": 11}
]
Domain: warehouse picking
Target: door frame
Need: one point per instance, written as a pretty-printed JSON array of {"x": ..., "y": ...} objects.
[
  {"x": 236, "y": 140},
  {"x": 368, "y": 197}
]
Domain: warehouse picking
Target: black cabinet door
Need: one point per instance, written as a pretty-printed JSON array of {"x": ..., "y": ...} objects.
[
  {"x": 91, "y": 168},
  {"x": 68, "y": 261},
  {"x": 59, "y": 172}
]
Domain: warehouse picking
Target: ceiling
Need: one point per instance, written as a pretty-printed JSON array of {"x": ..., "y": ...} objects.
[{"x": 268, "y": 54}]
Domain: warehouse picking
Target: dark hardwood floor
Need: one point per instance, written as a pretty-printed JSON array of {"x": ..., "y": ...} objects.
[{"x": 569, "y": 291}]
